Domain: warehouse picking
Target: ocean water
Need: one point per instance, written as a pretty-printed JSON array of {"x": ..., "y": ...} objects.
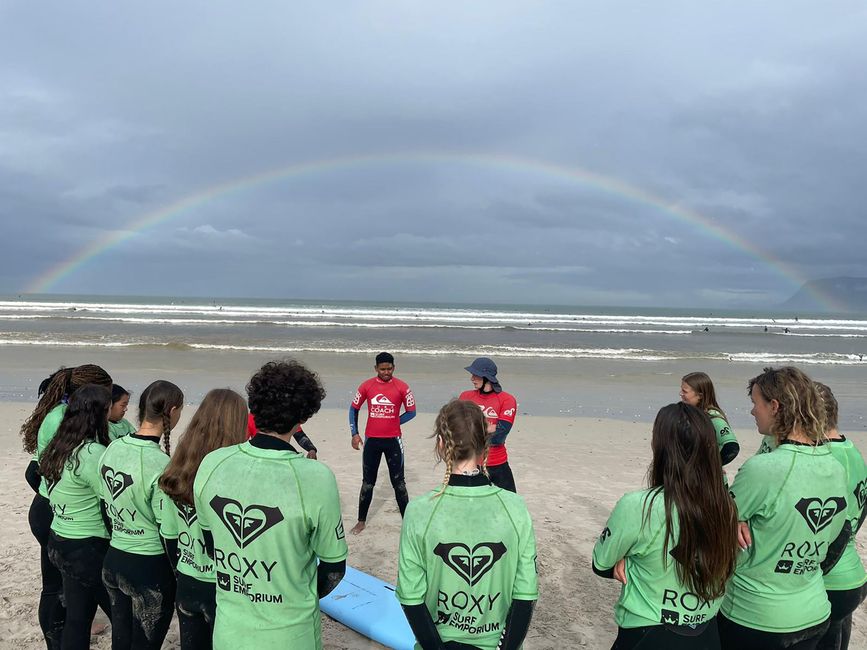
[{"x": 285, "y": 327}]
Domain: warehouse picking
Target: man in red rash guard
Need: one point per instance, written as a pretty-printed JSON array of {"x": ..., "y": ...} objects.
[
  {"x": 500, "y": 409},
  {"x": 300, "y": 437},
  {"x": 384, "y": 395}
]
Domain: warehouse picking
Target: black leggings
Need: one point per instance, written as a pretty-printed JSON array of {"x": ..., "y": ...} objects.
[
  {"x": 374, "y": 449},
  {"x": 659, "y": 637},
  {"x": 52, "y": 614},
  {"x": 197, "y": 608},
  {"x": 738, "y": 637},
  {"x": 501, "y": 476},
  {"x": 80, "y": 564},
  {"x": 142, "y": 593},
  {"x": 843, "y": 604}
]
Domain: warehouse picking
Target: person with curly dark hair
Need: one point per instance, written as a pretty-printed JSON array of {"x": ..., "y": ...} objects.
[
  {"x": 36, "y": 432},
  {"x": 263, "y": 490},
  {"x": 79, "y": 533}
]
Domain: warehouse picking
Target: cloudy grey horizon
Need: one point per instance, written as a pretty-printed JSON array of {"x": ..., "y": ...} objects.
[{"x": 751, "y": 118}]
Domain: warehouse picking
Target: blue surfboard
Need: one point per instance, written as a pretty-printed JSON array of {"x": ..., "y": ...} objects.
[{"x": 368, "y": 606}]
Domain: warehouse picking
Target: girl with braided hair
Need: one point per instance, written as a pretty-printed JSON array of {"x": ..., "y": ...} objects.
[
  {"x": 139, "y": 566},
  {"x": 36, "y": 432},
  {"x": 467, "y": 562}
]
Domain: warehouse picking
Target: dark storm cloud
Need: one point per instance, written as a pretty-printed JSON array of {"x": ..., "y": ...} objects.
[{"x": 748, "y": 115}]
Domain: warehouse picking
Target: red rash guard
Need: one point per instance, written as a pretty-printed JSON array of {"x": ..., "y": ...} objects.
[
  {"x": 495, "y": 406},
  {"x": 384, "y": 399}
]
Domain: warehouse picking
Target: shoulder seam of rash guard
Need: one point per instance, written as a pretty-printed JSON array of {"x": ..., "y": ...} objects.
[
  {"x": 300, "y": 493},
  {"x": 508, "y": 514},
  {"x": 785, "y": 480},
  {"x": 432, "y": 514}
]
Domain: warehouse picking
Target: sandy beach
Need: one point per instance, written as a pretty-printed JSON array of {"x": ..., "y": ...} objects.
[{"x": 571, "y": 471}]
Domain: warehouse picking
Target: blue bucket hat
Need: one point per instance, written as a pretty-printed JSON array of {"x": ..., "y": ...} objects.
[{"x": 486, "y": 369}]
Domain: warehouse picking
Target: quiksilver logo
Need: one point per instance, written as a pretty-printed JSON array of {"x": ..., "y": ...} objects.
[
  {"x": 115, "y": 481},
  {"x": 381, "y": 400},
  {"x": 819, "y": 513},
  {"x": 246, "y": 524},
  {"x": 470, "y": 564}
]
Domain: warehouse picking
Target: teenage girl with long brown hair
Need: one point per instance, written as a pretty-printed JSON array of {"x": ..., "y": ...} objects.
[
  {"x": 220, "y": 421},
  {"x": 36, "y": 432},
  {"x": 792, "y": 505},
  {"x": 465, "y": 542},
  {"x": 673, "y": 545},
  {"x": 138, "y": 571},
  {"x": 696, "y": 389},
  {"x": 79, "y": 535}
]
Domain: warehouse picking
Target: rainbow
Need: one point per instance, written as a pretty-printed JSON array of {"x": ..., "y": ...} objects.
[{"x": 607, "y": 184}]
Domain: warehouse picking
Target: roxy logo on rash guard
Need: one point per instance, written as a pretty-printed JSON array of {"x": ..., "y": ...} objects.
[
  {"x": 818, "y": 513},
  {"x": 116, "y": 482},
  {"x": 860, "y": 493},
  {"x": 470, "y": 564},
  {"x": 188, "y": 514},
  {"x": 245, "y": 524}
]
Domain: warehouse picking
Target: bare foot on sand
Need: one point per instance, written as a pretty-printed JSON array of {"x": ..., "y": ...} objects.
[{"x": 357, "y": 528}]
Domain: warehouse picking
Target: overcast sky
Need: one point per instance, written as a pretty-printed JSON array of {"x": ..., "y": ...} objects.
[{"x": 751, "y": 114}]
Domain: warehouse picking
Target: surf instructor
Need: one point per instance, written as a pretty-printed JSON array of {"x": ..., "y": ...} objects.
[
  {"x": 499, "y": 408},
  {"x": 384, "y": 395}
]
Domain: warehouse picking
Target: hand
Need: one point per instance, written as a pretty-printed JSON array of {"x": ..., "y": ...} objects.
[
  {"x": 356, "y": 442},
  {"x": 745, "y": 538},
  {"x": 620, "y": 571},
  {"x": 311, "y": 454}
]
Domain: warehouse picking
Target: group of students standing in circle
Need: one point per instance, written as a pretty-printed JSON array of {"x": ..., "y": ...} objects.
[
  {"x": 768, "y": 562},
  {"x": 241, "y": 534}
]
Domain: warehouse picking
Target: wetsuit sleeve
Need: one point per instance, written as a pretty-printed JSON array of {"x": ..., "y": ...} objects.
[
  {"x": 517, "y": 624},
  {"x": 836, "y": 548},
  {"x": 423, "y": 627},
  {"x": 353, "y": 420},
  {"x": 328, "y": 576},
  {"x": 499, "y": 436},
  {"x": 303, "y": 441},
  {"x": 32, "y": 476},
  {"x": 729, "y": 452},
  {"x": 620, "y": 533},
  {"x": 171, "y": 549},
  {"x": 406, "y": 416}
]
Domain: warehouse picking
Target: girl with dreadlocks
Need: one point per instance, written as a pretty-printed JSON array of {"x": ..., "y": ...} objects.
[
  {"x": 464, "y": 540},
  {"x": 139, "y": 566},
  {"x": 36, "y": 432},
  {"x": 79, "y": 535}
]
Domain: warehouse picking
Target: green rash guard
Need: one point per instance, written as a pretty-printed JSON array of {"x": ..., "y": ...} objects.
[
  {"x": 272, "y": 513},
  {"x": 75, "y": 497},
  {"x": 45, "y": 434},
  {"x": 653, "y": 594},
  {"x": 794, "y": 500},
  {"x": 181, "y": 522},
  {"x": 849, "y": 572},
  {"x": 769, "y": 443},
  {"x": 119, "y": 429},
  {"x": 724, "y": 433},
  {"x": 130, "y": 469},
  {"x": 467, "y": 554}
]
